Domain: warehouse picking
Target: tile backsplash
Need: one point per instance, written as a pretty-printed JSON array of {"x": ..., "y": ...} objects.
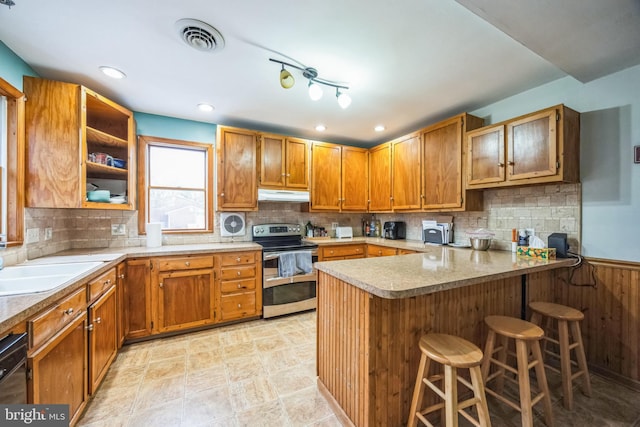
[{"x": 545, "y": 208}]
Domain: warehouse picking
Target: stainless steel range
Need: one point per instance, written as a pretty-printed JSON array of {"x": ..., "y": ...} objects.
[{"x": 288, "y": 278}]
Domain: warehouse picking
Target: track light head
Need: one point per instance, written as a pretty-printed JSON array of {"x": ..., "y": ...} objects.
[
  {"x": 286, "y": 79},
  {"x": 344, "y": 100},
  {"x": 315, "y": 91}
]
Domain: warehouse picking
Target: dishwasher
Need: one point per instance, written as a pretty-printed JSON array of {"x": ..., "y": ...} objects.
[{"x": 13, "y": 369}]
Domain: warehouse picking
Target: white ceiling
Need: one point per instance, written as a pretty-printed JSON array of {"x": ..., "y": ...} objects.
[{"x": 407, "y": 63}]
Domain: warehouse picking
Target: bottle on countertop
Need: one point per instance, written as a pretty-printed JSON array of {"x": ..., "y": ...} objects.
[
  {"x": 372, "y": 226},
  {"x": 378, "y": 228},
  {"x": 309, "y": 229}
]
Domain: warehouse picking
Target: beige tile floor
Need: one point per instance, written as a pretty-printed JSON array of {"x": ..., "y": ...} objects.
[{"x": 262, "y": 373}]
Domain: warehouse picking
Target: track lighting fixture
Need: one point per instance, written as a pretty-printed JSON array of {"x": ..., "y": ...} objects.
[{"x": 315, "y": 90}]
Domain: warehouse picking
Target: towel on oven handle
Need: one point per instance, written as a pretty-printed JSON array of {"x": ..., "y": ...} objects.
[{"x": 295, "y": 262}]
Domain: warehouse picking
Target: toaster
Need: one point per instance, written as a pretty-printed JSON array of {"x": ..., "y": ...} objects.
[{"x": 344, "y": 232}]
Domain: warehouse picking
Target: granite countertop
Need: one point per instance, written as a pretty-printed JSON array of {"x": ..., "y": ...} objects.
[
  {"x": 414, "y": 245},
  {"x": 437, "y": 268},
  {"x": 15, "y": 309}
]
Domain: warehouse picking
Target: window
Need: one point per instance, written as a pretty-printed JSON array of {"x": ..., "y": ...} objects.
[
  {"x": 12, "y": 148},
  {"x": 175, "y": 185}
]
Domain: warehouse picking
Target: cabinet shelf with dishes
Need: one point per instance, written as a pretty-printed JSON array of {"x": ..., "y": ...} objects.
[{"x": 76, "y": 137}]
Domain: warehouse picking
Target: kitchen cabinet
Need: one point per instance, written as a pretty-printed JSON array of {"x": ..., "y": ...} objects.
[
  {"x": 185, "y": 292},
  {"x": 342, "y": 251},
  {"x": 406, "y": 170},
  {"x": 57, "y": 358},
  {"x": 339, "y": 176},
  {"x": 237, "y": 169},
  {"x": 121, "y": 314},
  {"x": 380, "y": 178},
  {"x": 103, "y": 337},
  {"x": 406, "y": 252},
  {"x": 65, "y": 123},
  {"x": 239, "y": 285},
  {"x": 137, "y": 320},
  {"x": 378, "y": 251},
  {"x": 536, "y": 148},
  {"x": 284, "y": 162},
  {"x": 443, "y": 185}
]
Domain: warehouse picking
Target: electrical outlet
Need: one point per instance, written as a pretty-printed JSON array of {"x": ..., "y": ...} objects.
[
  {"x": 118, "y": 230},
  {"x": 33, "y": 235},
  {"x": 334, "y": 225},
  {"x": 48, "y": 233}
]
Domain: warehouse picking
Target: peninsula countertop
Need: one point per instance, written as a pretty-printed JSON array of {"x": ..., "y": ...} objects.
[{"x": 435, "y": 269}]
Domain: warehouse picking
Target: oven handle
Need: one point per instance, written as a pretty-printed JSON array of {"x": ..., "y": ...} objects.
[
  {"x": 273, "y": 255},
  {"x": 277, "y": 281}
]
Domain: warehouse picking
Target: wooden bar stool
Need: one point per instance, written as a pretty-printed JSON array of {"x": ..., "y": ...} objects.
[
  {"x": 453, "y": 353},
  {"x": 527, "y": 338},
  {"x": 566, "y": 317}
]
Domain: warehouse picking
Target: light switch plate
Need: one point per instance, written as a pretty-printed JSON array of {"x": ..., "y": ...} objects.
[{"x": 48, "y": 233}]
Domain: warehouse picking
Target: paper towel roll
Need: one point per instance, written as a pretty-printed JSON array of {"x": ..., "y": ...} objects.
[{"x": 154, "y": 234}]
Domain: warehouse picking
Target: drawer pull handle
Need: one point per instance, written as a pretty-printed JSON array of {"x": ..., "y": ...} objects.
[
  {"x": 98, "y": 320},
  {"x": 68, "y": 311},
  {"x": 187, "y": 263}
]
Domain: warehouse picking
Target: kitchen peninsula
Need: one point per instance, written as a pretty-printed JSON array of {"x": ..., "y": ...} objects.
[{"x": 372, "y": 312}]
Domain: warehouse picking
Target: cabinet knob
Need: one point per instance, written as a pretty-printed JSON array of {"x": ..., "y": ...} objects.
[
  {"x": 187, "y": 263},
  {"x": 500, "y": 165},
  {"x": 288, "y": 174},
  {"x": 121, "y": 276},
  {"x": 107, "y": 282},
  {"x": 239, "y": 286},
  {"x": 161, "y": 284},
  {"x": 391, "y": 198},
  {"x": 68, "y": 311},
  {"x": 221, "y": 194},
  {"x": 98, "y": 320},
  {"x": 239, "y": 305},
  {"x": 331, "y": 252},
  {"x": 90, "y": 327},
  {"x": 238, "y": 259},
  {"x": 283, "y": 174},
  {"x": 510, "y": 163},
  {"x": 239, "y": 273}
]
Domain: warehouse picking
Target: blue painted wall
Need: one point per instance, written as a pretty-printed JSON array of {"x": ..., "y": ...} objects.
[
  {"x": 169, "y": 127},
  {"x": 12, "y": 67}
]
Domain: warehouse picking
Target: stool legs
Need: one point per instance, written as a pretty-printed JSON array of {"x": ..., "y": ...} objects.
[
  {"x": 582, "y": 359},
  {"x": 542, "y": 382},
  {"x": 418, "y": 391}
]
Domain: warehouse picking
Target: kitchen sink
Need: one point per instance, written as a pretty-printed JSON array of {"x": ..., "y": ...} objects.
[{"x": 25, "y": 279}]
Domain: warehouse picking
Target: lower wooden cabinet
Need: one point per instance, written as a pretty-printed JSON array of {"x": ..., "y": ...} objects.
[
  {"x": 240, "y": 285},
  {"x": 338, "y": 252},
  {"x": 376, "y": 251},
  {"x": 136, "y": 319},
  {"x": 58, "y": 368},
  {"x": 185, "y": 289},
  {"x": 103, "y": 336}
]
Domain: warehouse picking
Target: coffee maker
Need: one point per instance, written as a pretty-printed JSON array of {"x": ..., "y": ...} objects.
[{"x": 394, "y": 230}]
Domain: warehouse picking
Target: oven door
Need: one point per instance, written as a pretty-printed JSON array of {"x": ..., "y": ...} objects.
[{"x": 284, "y": 295}]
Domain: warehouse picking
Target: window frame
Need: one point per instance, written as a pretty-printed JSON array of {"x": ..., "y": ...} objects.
[
  {"x": 144, "y": 142},
  {"x": 16, "y": 146}
]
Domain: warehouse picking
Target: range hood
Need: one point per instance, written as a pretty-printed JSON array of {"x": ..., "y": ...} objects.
[{"x": 265, "y": 195}]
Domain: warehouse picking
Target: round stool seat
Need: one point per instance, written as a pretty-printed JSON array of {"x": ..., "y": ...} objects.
[
  {"x": 451, "y": 350},
  {"x": 514, "y": 328},
  {"x": 557, "y": 311}
]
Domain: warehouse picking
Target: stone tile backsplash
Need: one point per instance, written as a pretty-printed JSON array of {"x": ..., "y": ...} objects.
[{"x": 545, "y": 208}]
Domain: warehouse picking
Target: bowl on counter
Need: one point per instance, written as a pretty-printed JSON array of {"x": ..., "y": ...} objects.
[
  {"x": 98, "y": 196},
  {"x": 480, "y": 244}
]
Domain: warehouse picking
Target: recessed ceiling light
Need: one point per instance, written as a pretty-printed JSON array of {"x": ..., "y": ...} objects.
[
  {"x": 321, "y": 128},
  {"x": 207, "y": 108},
  {"x": 114, "y": 73},
  {"x": 379, "y": 128}
]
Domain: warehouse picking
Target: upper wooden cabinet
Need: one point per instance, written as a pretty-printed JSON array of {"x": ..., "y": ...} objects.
[
  {"x": 380, "y": 178},
  {"x": 406, "y": 172},
  {"x": 338, "y": 177},
  {"x": 65, "y": 123},
  {"x": 443, "y": 186},
  {"x": 284, "y": 162},
  {"x": 540, "y": 147},
  {"x": 237, "y": 176},
  {"x": 355, "y": 177}
]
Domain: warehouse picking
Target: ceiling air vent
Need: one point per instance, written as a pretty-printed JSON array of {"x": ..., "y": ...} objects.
[{"x": 199, "y": 35}]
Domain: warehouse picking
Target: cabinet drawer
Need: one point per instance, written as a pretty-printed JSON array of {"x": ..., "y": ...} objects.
[
  {"x": 234, "y": 286},
  {"x": 342, "y": 251},
  {"x": 238, "y": 305},
  {"x": 184, "y": 263},
  {"x": 374, "y": 250},
  {"x": 96, "y": 287},
  {"x": 238, "y": 258},
  {"x": 238, "y": 273},
  {"x": 47, "y": 324}
]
